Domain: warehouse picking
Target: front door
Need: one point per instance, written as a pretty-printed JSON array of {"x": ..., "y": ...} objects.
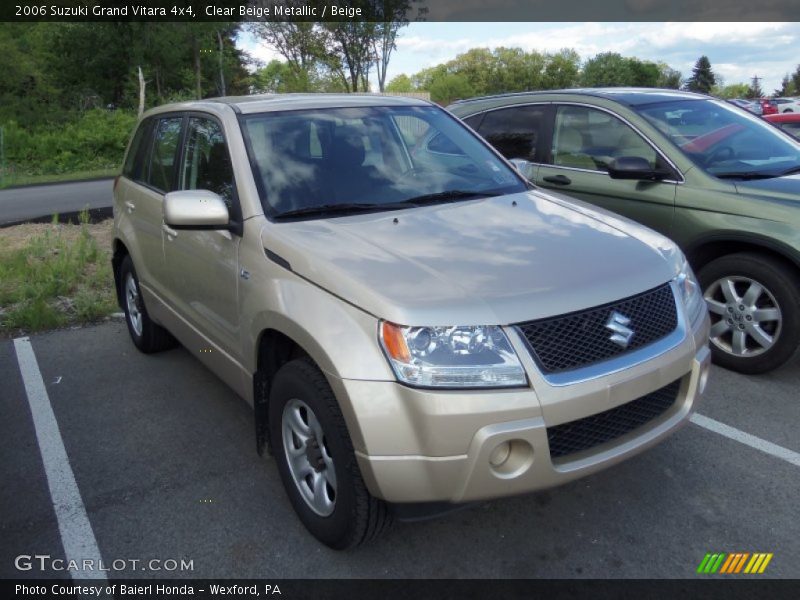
[
  {"x": 203, "y": 265},
  {"x": 584, "y": 141}
]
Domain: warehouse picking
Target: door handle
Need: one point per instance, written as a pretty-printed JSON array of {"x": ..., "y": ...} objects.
[
  {"x": 130, "y": 206},
  {"x": 169, "y": 230},
  {"x": 558, "y": 179}
]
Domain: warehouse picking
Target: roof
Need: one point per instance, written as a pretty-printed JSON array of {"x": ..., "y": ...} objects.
[
  {"x": 279, "y": 102},
  {"x": 628, "y": 96}
]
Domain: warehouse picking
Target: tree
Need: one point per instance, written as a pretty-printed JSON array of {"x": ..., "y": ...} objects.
[
  {"x": 734, "y": 90},
  {"x": 795, "y": 81},
  {"x": 607, "y": 69},
  {"x": 703, "y": 78},
  {"x": 562, "y": 70},
  {"x": 755, "y": 91},
  {"x": 643, "y": 73},
  {"x": 450, "y": 87},
  {"x": 299, "y": 43},
  {"x": 668, "y": 77},
  {"x": 349, "y": 51},
  {"x": 390, "y": 17},
  {"x": 401, "y": 84}
]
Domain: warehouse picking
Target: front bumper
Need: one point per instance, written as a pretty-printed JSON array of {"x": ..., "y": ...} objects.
[{"x": 434, "y": 446}]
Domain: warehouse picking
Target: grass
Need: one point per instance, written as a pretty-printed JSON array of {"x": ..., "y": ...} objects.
[
  {"x": 13, "y": 179},
  {"x": 54, "y": 275}
]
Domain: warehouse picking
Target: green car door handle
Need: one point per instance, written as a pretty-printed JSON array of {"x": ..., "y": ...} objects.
[{"x": 558, "y": 179}]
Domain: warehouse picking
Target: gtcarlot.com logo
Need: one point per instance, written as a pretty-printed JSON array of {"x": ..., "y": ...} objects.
[
  {"x": 734, "y": 563},
  {"x": 44, "y": 562}
]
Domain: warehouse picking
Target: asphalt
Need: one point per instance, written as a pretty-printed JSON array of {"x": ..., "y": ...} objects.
[
  {"x": 30, "y": 202},
  {"x": 164, "y": 457}
]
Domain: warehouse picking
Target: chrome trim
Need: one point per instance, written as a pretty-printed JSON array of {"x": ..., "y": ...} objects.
[
  {"x": 558, "y": 103},
  {"x": 630, "y": 360}
]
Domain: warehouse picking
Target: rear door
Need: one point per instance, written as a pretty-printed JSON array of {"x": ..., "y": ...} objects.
[
  {"x": 582, "y": 143},
  {"x": 517, "y": 132}
]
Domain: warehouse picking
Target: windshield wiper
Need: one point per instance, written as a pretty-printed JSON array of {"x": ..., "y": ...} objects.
[
  {"x": 791, "y": 171},
  {"x": 445, "y": 196},
  {"x": 323, "y": 209},
  {"x": 353, "y": 207},
  {"x": 746, "y": 175}
]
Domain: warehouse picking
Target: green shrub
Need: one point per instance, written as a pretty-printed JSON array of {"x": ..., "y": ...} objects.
[{"x": 92, "y": 140}]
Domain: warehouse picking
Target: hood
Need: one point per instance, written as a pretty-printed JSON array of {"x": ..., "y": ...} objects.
[
  {"x": 491, "y": 261},
  {"x": 778, "y": 188}
]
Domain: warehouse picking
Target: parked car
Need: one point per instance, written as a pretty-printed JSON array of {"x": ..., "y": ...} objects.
[
  {"x": 408, "y": 328},
  {"x": 789, "y": 122},
  {"x": 787, "y": 105},
  {"x": 768, "y": 106},
  {"x": 720, "y": 182},
  {"x": 749, "y": 105}
]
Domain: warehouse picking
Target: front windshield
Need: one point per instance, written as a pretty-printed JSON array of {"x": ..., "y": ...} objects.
[
  {"x": 369, "y": 157},
  {"x": 723, "y": 140}
]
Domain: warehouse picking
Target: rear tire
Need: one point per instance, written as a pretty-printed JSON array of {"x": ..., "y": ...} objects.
[
  {"x": 754, "y": 304},
  {"x": 316, "y": 461},
  {"x": 146, "y": 335}
]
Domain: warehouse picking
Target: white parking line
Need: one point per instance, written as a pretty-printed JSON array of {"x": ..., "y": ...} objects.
[
  {"x": 747, "y": 439},
  {"x": 77, "y": 536}
]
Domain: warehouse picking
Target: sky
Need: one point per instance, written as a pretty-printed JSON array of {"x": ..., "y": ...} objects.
[{"x": 737, "y": 51}]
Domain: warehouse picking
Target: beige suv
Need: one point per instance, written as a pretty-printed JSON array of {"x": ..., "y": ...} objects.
[{"x": 414, "y": 324}]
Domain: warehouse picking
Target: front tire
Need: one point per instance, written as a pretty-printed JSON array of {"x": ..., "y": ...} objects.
[
  {"x": 316, "y": 461},
  {"x": 754, "y": 304},
  {"x": 146, "y": 335}
]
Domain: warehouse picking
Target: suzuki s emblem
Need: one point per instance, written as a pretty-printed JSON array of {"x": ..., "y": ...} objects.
[{"x": 618, "y": 324}]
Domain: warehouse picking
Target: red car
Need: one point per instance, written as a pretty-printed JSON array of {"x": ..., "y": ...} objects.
[
  {"x": 768, "y": 106},
  {"x": 789, "y": 122}
]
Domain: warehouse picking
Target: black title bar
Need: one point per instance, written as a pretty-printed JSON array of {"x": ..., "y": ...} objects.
[{"x": 424, "y": 10}]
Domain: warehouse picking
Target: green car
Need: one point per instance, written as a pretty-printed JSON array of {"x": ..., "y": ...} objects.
[{"x": 719, "y": 181}]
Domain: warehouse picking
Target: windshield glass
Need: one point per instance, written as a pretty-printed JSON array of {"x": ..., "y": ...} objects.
[
  {"x": 724, "y": 140},
  {"x": 369, "y": 158}
]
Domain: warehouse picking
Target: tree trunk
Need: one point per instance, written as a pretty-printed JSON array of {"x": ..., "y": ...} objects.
[
  {"x": 221, "y": 71},
  {"x": 141, "y": 92},
  {"x": 197, "y": 73}
]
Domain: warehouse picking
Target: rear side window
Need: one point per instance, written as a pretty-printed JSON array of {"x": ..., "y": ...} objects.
[
  {"x": 474, "y": 121},
  {"x": 163, "y": 154},
  {"x": 206, "y": 162},
  {"x": 514, "y": 131}
]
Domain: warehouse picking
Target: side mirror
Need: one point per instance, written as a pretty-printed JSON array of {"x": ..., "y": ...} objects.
[
  {"x": 522, "y": 166},
  {"x": 634, "y": 167},
  {"x": 195, "y": 209}
]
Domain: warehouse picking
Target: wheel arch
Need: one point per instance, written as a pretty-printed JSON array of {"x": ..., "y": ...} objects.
[
  {"x": 119, "y": 252},
  {"x": 708, "y": 248}
]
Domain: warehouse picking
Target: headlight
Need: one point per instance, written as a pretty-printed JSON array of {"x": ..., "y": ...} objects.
[
  {"x": 690, "y": 294},
  {"x": 452, "y": 357}
]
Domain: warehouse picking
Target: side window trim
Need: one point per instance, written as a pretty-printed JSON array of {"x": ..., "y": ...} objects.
[
  {"x": 678, "y": 176},
  {"x": 547, "y": 119},
  {"x": 235, "y": 213},
  {"x": 144, "y": 176}
]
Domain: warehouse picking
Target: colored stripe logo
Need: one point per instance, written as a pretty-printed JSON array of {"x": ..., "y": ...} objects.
[{"x": 733, "y": 563}]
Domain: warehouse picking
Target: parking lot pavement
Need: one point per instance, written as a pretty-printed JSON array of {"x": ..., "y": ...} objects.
[{"x": 164, "y": 458}]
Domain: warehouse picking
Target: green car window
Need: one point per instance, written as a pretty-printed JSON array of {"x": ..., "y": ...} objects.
[{"x": 723, "y": 140}]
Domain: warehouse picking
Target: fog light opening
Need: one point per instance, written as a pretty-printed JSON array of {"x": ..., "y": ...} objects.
[
  {"x": 703, "y": 379},
  {"x": 511, "y": 459},
  {"x": 500, "y": 454}
]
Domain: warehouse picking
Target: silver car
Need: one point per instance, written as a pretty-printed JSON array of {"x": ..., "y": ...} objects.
[{"x": 414, "y": 325}]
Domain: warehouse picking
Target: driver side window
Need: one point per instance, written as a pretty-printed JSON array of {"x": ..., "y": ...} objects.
[
  {"x": 586, "y": 138},
  {"x": 206, "y": 162}
]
